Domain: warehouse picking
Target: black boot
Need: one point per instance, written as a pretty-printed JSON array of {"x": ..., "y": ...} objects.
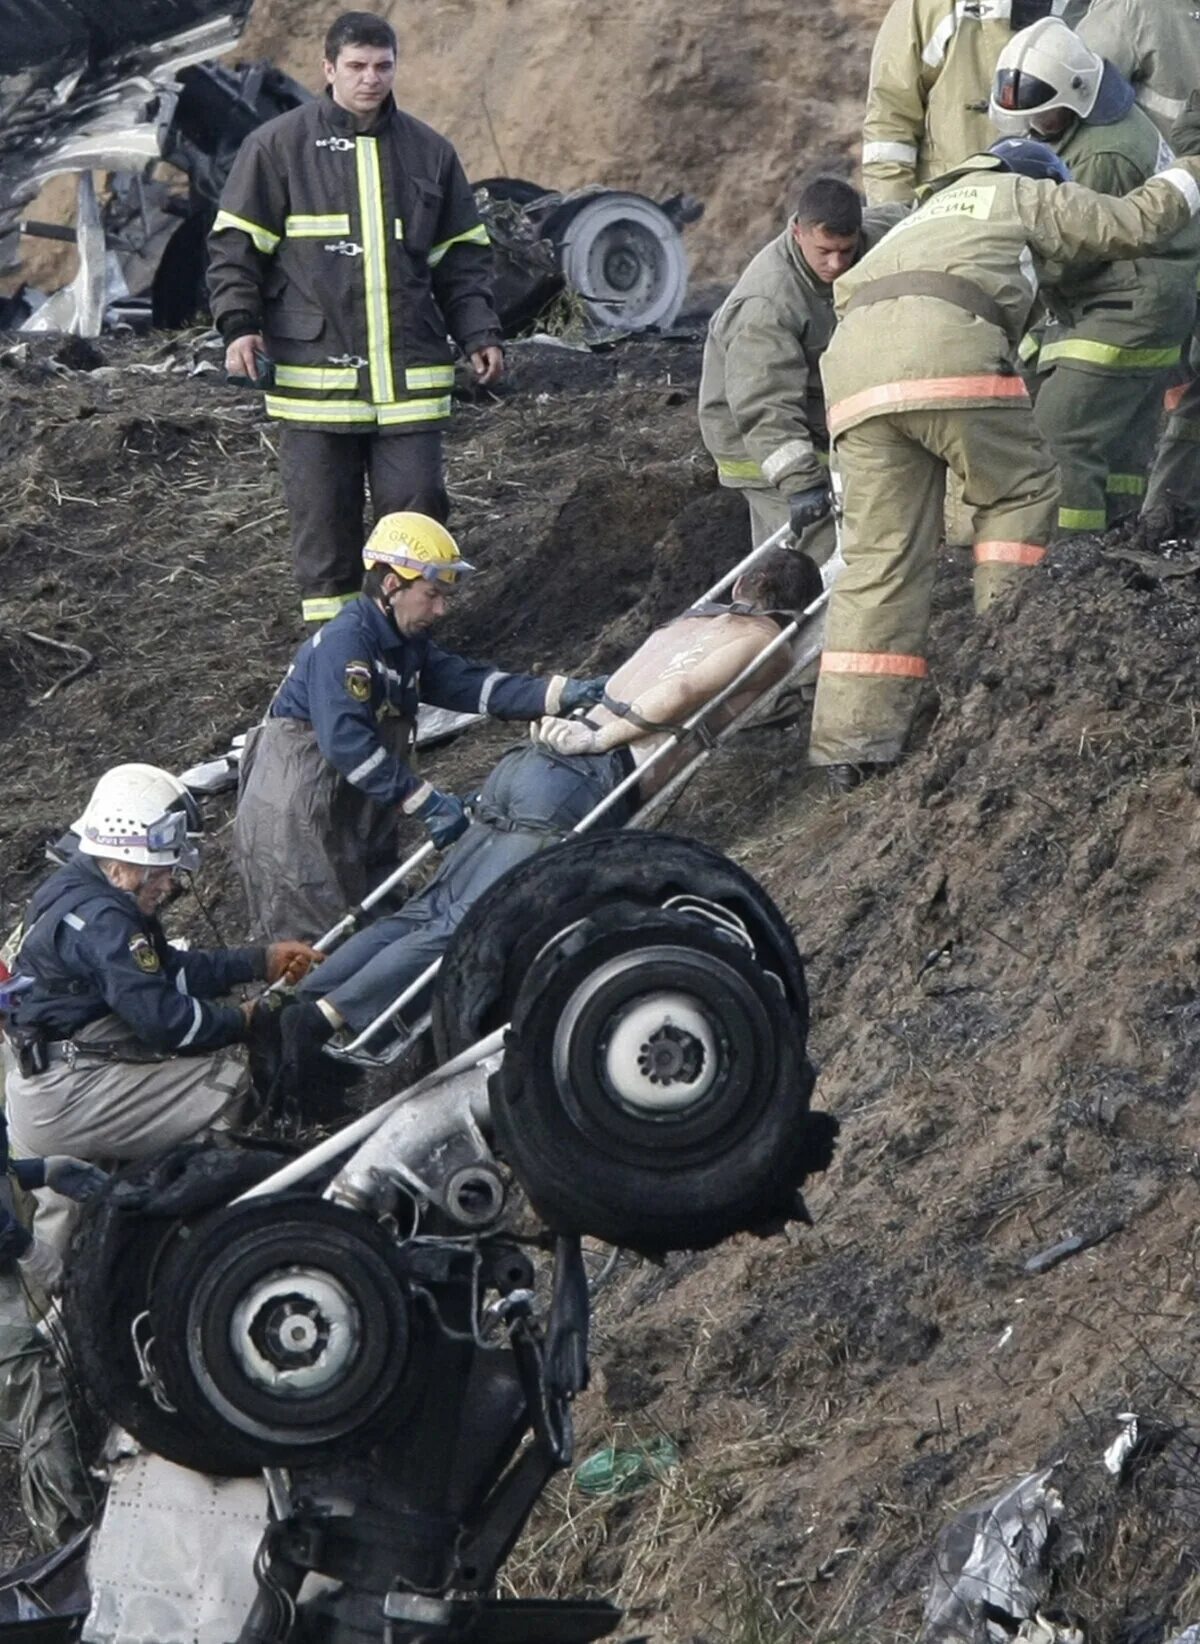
[
  {"x": 310, "y": 1087},
  {"x": 845, "y": 778}
]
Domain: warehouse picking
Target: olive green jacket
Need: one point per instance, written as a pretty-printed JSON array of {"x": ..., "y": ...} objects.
[
  {"x": 762, "y": 413},
  {"x": 1132, "y": 314}
]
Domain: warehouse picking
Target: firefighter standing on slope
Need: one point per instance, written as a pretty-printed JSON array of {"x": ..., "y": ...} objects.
[
  {"x": 325, "y": 776},
  {"x": 921, "y": 379},
  {"x": 762, "y": 413},
  {"x": 1156, "y": 45},
  {"x": 346, "y": 246},
  {"x": 931, "y": 71},
  {"x": 1100, "y": 376}
]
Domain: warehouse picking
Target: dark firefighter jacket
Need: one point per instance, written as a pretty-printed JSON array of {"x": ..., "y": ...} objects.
[
  {"x": 90, "y": 951},
  {"x": 357, "y": 670},
  {"x": 353, "y": 253}
]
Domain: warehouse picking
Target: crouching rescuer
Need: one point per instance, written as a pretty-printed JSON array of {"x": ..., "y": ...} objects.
[
  {"x": 118, "y": 1046},
  {"x": 922, "y": 380},
  {"x": 325, "y": 777}
]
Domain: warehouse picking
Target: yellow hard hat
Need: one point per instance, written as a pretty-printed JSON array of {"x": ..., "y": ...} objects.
[{"x": 414, "y": 545}]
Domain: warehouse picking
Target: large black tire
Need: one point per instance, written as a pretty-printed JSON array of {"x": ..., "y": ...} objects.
[
  {"x": 110, "y": 1273},
  {"x": 509, "y": 925},
  {"x": 654, "y": 1090},
  {"x": 282, "y": 1331}
]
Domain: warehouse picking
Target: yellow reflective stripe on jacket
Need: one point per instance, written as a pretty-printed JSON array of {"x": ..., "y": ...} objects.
[
  {"x": 321, "y": 379},
  {"x": 740, "y": 470},
  {"x": 398, "y": 225},
  {"x": 379, "y": 330},
  {"x": 1082, "y": 519},
  {"x": 747, "y": 469},
  {"x": 473, "y": 236},
  {"x": 358, "y": 412},
  {"x": 429, "y": 376},
  {"x": 1028, "y": 347},
  {"x": 293, "y": 410},
  {"x": 1126, "y": 485},
  {"x": 302, "y": 227},
  {"x": 1110, "y": 354},
  {"x": 401, "y": 411},
  {"x": 263, "y": 239},
  {"x": 324, "y": 607}
]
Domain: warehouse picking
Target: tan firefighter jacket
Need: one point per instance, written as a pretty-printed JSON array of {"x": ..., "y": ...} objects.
[
  {"x": 931, "y": 77},
  {"x": 1154, "y": 43},
  {"x": 762, "y": 412},
  {"x": 932, "y": 316},
  {"x": 1132, "y": 314},
  {"x": 354, "y": 253}
]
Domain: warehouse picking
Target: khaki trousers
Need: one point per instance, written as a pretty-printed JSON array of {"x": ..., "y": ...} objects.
[
  {"x": 1102, "y": 427},
  {"x": 894, "y": 472},
  {"x": 114, "y": 1112}
]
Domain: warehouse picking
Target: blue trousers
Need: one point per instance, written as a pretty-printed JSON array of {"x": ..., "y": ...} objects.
[{"x": 530, "y": 801}]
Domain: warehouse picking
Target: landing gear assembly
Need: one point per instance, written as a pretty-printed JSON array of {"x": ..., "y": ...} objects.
[{"x": 381, "y": 1340}]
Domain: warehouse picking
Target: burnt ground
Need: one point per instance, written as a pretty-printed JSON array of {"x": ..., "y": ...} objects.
[{"x": 1002, "y": 950}]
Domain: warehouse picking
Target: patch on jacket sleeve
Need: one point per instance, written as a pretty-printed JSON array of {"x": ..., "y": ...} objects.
[
  {"x": 144, "y": 956},
  {"x": 358, "y": 681}
]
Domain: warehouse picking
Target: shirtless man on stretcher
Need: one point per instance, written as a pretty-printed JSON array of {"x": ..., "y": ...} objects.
[{"x": 538, "y": 792}]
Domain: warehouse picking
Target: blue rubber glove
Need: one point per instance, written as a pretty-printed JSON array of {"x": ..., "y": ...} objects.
[
  {"x": 445, "y": 818},
  {"x": 581, "y": 693},
  {"x": 805, "y": 508}
]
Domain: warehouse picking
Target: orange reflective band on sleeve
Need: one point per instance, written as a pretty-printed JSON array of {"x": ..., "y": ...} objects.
[
  {"x": 1009, "y": 553},
  {"x": 893, "y": 663},
  {"x": 891, "y": 394},
  {"x": 1173, "y": 397}
]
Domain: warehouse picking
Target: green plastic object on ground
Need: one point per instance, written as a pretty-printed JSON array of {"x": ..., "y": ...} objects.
[{"x": 613, "y": 1471}]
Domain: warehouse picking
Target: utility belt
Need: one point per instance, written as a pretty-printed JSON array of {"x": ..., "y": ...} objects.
[
  {"x": 36, "y": 1052},
  {"x": 928, "y": 282}
]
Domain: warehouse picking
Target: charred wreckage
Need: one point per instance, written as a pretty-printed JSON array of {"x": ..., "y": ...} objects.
[
  {"x": 117, "y": 90},
  {"x": 350, "y": 1370}
]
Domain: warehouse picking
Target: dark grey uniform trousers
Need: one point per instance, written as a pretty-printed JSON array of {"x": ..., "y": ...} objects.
[
  {"x": 307, "y": 844},
  {"x": 325, "y": 478},
  {"x": 529, "y": 802}
]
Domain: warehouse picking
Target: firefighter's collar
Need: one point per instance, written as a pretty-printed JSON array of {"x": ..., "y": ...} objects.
[
  {"x": 343, "y": 121},
  {"x": 974, "y": 163}
]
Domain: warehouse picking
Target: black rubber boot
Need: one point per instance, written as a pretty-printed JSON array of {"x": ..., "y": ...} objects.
[{"x": 845, "y": 778}]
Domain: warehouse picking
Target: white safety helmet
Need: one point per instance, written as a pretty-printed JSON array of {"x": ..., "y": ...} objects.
[
  {"x": 141, "y": 814},
  {"x": 1044, "y": 67}
]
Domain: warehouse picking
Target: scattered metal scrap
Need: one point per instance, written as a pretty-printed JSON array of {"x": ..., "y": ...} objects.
[
  {"x": 987, "y": 1565},
  {"x": 121, "y": 89}
]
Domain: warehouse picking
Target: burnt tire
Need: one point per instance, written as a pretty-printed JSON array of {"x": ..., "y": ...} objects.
[
  {"x": 504, "y": 931},
  {"x": 110, "y": 1273},
  {"x": 282, "y": 1331},
  {"x": 654, "y": 1090}
]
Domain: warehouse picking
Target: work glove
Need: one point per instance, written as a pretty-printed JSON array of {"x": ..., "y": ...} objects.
[
  {"x": 290, "y": 961},
  {"x": 1185, "y": 133},
  {"x": 567, "y": 736},
  {"x": 445, "y": 817},
  {"x": 41, "y": 1268},
  {"x": 805, "y": 508},
  {"x": 73, "y": 1178},
  {"x": 581, "y": 693}
]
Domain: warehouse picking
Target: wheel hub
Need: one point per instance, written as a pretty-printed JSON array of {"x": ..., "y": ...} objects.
[
  {"x": 295, "y": 1331},
  {"x": 671, "y": 1054},
  {"x": 661, "y": 1054}
]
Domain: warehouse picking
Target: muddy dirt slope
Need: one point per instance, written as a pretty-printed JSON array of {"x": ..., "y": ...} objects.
[{"x": 1002, "y": 948}]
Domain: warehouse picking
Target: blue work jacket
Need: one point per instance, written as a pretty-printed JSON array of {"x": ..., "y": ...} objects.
[
  {"x": 357, "y": 669},
  {"x": 90, "y": 950}
]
